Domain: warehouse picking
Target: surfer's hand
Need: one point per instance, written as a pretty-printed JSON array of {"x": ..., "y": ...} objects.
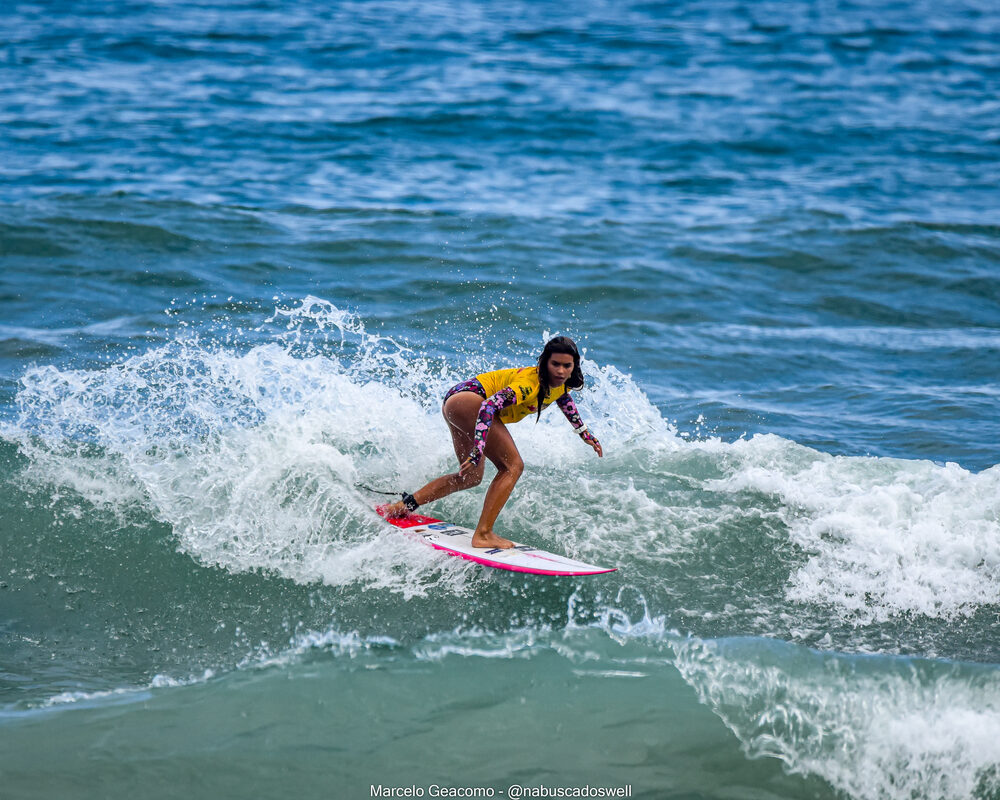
[
  {"x": 590, "y": 439},
  {"x": 467, "y": 466}
]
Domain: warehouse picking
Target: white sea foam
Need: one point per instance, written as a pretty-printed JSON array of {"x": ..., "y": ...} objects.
[
  {"x": 350, "y": 645},
  {"x": 122, "y": 693},
  {"x": 252, "y": 454},
  {"x": 251, "y": 457},
  {"x": 873, "y": 728},
  {"x": 883, "y": 536}
]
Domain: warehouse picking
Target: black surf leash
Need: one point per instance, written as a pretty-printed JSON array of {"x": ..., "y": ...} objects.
[
  {"x": 376, "y": 491},
  {"x": 408, "y": 501}
]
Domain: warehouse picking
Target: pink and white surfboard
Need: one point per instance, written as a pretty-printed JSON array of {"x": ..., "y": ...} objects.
[{"x": 457, "y": 541}]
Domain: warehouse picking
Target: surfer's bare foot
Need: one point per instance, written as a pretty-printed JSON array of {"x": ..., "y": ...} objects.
[
  {"x": 394, "y": 510},
  {"x": 490, "y": 539}
]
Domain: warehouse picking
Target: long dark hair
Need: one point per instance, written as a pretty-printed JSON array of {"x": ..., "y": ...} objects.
[{"x": 565, "y": 346}]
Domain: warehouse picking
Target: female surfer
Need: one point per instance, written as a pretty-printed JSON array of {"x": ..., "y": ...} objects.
[{"x": 478, "y": 412}]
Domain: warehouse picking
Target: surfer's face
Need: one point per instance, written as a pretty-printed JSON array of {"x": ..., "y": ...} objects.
[{"x": 560, "y": 367}]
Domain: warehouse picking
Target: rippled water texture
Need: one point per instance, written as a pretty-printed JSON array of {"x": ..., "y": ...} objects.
[{"x": 246, "y": 248}]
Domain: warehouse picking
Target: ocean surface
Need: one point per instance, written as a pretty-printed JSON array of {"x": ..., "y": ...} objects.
[{"x": 245, "y": 248}]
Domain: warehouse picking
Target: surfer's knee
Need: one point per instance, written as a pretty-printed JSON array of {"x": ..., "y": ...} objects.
[{"x": 514, "y": 468}]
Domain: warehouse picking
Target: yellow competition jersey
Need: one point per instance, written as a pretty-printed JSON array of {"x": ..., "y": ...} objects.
[{"x": 524, "y": 382}]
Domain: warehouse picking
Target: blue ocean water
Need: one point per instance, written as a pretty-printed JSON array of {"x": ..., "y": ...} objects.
[{"x": 245, "y": 247}]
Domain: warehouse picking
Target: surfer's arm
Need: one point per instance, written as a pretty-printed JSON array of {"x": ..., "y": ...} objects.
[
  {"x": 568, "y": 408},
  {"x": 491, "y": 405}
]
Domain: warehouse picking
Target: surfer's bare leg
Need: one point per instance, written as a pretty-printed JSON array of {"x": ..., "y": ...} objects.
[
  {"x": 501, "y": 450},
  {"x": 460, "y": 411},
  {"x": 448, "y": 484}
]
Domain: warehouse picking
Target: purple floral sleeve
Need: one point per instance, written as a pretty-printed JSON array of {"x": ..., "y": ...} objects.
[
  {"x": 568, "y": 407},
  {"x": 489, "y": 408}
]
